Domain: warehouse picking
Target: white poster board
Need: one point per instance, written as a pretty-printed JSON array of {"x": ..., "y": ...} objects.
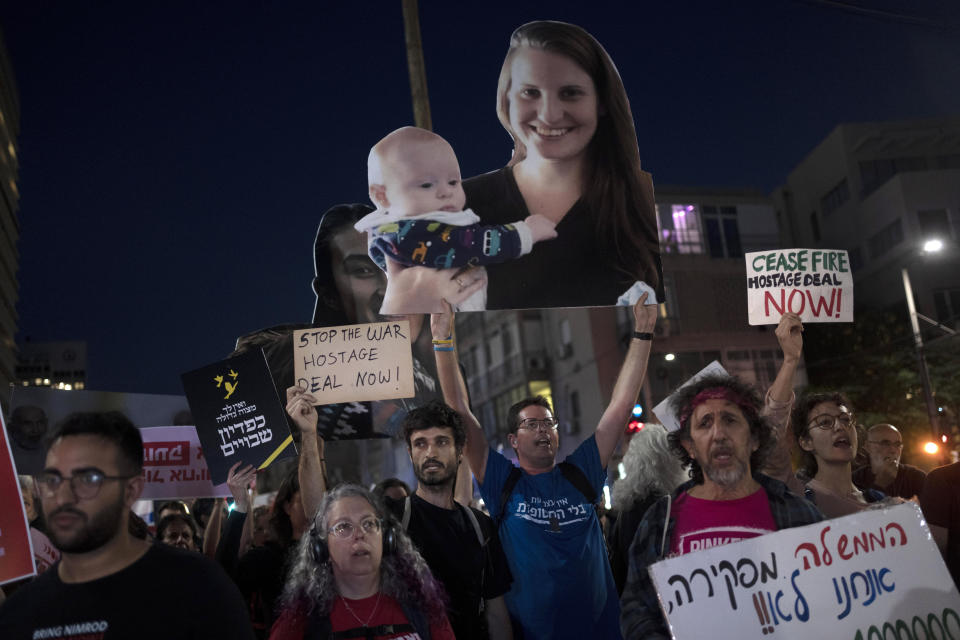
[
  {"x": 174, "y": 466},
  {"x": 665, "y": 413},
  {"x": 816, "y": 284},
  {"x": 354, "y": 362},
  {"x": 875, "y": 574}
]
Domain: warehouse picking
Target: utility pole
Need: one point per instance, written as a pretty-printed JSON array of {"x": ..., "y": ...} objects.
[{"x": 415, "y": 66}]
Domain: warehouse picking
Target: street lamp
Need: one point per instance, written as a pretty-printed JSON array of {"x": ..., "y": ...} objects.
[{"x": 930, "y": 246}]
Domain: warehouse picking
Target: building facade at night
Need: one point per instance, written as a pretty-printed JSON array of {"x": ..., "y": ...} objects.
[
  {"x": 9, "y": 226},
  {"x": 880, "y": 190}
]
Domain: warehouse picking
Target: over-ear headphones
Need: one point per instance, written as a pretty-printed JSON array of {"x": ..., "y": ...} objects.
[{"x": 321, "y": 553}]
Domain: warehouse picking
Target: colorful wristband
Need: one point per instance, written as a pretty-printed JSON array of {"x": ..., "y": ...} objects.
[{"x": 436, "y": 348}]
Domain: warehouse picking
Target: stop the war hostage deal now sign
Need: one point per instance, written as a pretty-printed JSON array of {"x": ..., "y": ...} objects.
[
  {"x": 872, "y": 575},
  {"x": 354, "y": 362},
  {"x": 816, "y": 284}
]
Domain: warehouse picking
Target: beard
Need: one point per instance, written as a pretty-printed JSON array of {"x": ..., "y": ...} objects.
[
  {"x": 445, "y": 475},
  {"x": 727, "y": 475},
  {"x": 95, "y": 531}
]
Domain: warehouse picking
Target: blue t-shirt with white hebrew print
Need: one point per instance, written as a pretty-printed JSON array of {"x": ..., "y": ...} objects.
[{"x": 562, "y": 583}]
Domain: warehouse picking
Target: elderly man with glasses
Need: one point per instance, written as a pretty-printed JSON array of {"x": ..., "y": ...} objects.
[
  {"x": 93, "y": 474},
  {"x": 885, "y": 472},
  {"x": 563, "y": 586}
]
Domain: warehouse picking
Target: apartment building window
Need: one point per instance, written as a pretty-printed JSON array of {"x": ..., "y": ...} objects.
[
  {"x": 573, "y": 420},
  {"x": 723, "y": 232},
  {"x": 874, "y": 173},
  {"x": 680, "y": 229},
  {"x": 835, "y": 198},
  {"x": 886, "y": 239},
  {"x": 947, "y": 304},
  {"x": 507, "y": 340},
  {"x": 950, "y": 161},
  {"x": 856, "y": 258},
  {"x": 814, "y": 226},
  {"x": 566, "y": 339},
  {"x": 934, "y": 223}
]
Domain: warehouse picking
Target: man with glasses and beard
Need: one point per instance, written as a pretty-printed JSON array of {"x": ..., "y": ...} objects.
[
  {"x": 724, "y": 439},
  {"x": 109, "y": 584}
]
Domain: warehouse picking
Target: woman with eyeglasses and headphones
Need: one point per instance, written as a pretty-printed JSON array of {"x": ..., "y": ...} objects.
[
  {"x": 357, "y": 575},
  {"x": 825, "y": 431}
]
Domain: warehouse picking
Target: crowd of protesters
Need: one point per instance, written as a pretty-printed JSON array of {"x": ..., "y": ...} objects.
[
  {"x": 402, "y": 562},
  {"x": 422, "y": 562}
]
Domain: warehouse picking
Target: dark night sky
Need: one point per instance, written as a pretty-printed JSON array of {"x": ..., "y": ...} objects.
[{"x": 175, "y": 159}]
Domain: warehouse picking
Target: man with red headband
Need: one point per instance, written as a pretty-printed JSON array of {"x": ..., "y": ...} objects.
[{"x": 724, "y": 439}]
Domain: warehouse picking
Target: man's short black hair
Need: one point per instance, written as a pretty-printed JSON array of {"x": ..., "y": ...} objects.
[
  {"x": 109, "y": 425},
  {"x": 435, "y": 414},
  {"x": 800, "y": 418},
  {"x": 513, "y": 413},
  {"x": 750, "y": 404}
]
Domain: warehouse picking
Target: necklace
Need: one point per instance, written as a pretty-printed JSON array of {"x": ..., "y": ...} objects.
[
  {"x": 366, "y": 623},
  {"x": 854, "y": 495}
]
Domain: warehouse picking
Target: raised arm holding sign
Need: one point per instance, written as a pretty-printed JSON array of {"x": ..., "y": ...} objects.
[
  {"x": 301, "y": 408},
  {"x": 545, "y": 508}
]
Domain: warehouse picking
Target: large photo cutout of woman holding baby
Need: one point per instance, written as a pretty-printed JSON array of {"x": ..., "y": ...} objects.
[{"x": 575, "y": 166}]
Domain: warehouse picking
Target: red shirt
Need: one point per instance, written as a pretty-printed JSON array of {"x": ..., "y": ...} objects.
[
  {"x": 388, "y": 611},
  {"x": 702, "y": 524}
]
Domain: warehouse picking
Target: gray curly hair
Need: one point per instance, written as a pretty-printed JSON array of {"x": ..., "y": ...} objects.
[
  {"x": 650, "y": 467},
  {"x": 404, "y": 575}
]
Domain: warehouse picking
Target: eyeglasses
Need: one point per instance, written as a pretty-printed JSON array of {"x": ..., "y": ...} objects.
[
  {"x": 896, "y": 444},
  {"x": 84, "y": 484},
  {"x": 346, "y": 529},
  {"x": 828, "y": 421},
  {"x": 538, "y": 424}
]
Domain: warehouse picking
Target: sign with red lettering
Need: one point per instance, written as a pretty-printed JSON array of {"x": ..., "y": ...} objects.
[
  {"x": 816, "y": 284},
  {"x": 16, "y": 547},
  {"x": 875, "y": 574},
  {"x": 174, "y": 466}
]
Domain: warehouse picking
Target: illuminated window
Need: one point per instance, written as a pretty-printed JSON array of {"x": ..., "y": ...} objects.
[{"x": 680, "y": 229}]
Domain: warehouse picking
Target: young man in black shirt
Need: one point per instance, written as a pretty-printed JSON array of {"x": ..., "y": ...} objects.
[
  {"x": 460, "y": 544},
  {"x": 109, "y": 584}
]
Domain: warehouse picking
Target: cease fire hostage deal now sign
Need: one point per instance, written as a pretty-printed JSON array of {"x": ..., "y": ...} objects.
[{"x": 816, "y": 284}]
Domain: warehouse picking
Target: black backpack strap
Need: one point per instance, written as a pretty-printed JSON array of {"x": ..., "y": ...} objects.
[
  {"x": 512, "y": 479},
  {"x": 575, "y": 476}
]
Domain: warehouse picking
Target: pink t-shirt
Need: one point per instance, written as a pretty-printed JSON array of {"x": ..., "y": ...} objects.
[{"x": 701, "y": 524}]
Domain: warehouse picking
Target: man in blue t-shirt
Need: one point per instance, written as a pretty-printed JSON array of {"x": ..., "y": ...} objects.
[{"x": 563, "y": 586}]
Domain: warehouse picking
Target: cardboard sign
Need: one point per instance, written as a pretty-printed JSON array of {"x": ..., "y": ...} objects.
[
  {"x": 875, "y": 574},
  {"x": 238, "y": 415},
  {"x": 816, "y": 284},
  {"x": 665, "y": 413},
  {"x": 35, "y": 411},
  {"x": 16, "y": 544},
  {"x": 174, "y": 466},
  {"x": 355, "y": 362}
]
